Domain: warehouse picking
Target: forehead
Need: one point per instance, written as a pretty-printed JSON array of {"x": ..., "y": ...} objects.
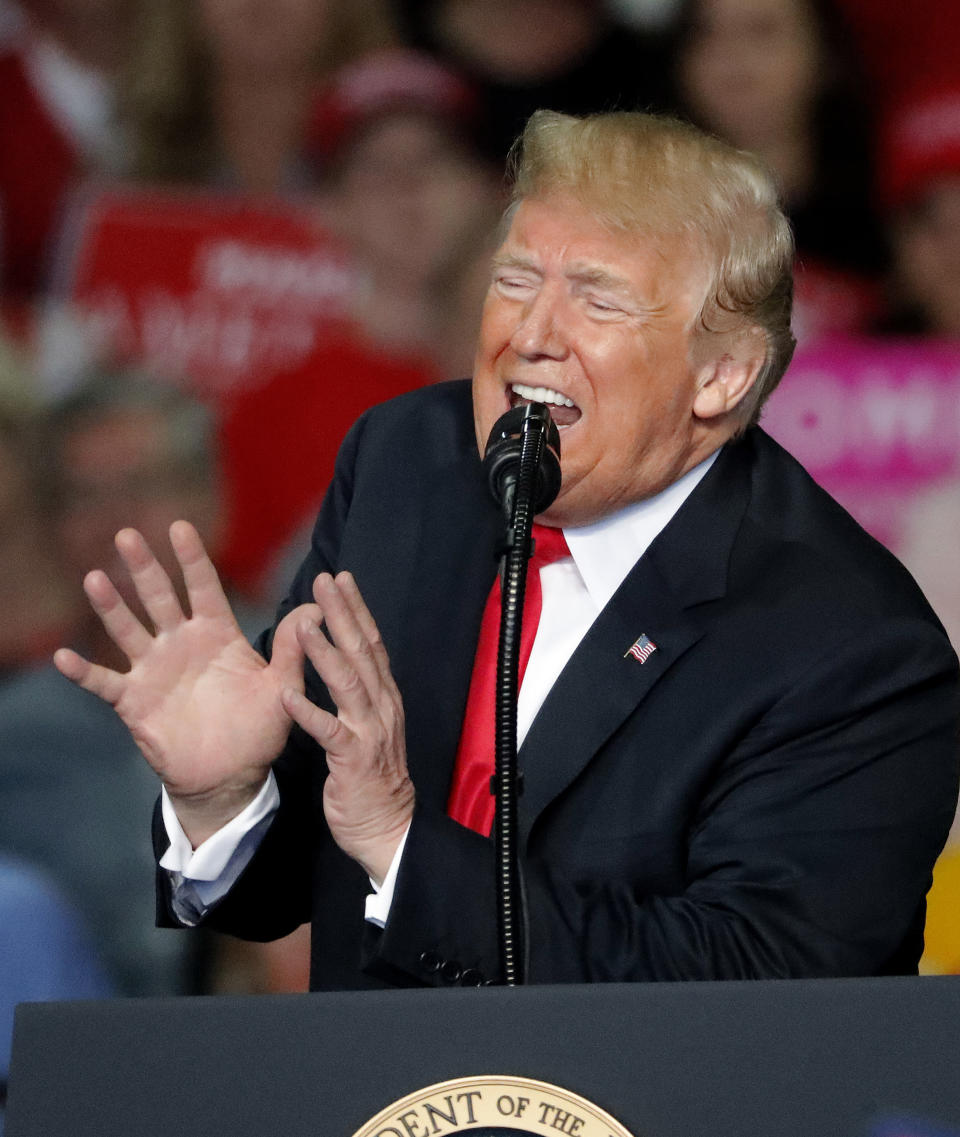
[{"x": 561, "y": 235}]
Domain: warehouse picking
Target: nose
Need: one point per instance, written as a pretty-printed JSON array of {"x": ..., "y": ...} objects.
[{"x": 539, "y": 333}]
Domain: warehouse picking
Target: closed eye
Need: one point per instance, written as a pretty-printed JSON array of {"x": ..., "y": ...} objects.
[
  {"x": 512, "y": 284},
  {"x": 602, "y": 306}
]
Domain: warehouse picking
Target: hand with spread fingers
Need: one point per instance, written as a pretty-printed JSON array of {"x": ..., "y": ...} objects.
[
  {"x": 368, "y": 796},
  {"x": 202, "y": 705}
]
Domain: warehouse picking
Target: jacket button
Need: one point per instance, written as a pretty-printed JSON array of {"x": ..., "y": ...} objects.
[
  {"x": 471, "y": 978},
  {"x": 430, "y": 962},
  {"x": 450, "y": 971}
]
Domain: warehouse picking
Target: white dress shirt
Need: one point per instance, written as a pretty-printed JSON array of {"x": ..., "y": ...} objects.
[{"x": 575, "y": 589}]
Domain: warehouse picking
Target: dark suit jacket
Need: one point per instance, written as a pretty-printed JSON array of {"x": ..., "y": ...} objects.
[{"x": 764, "y": 797}]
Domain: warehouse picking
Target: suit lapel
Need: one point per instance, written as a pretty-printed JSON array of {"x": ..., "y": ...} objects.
[{"x": 601, "y": 685}]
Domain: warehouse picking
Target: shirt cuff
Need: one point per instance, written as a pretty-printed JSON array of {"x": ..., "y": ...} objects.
[
  {"x": 377, "y": 907},
  {"x": 208, "y": 861}
]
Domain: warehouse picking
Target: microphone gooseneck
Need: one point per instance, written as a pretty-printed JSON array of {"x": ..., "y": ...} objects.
[{"x": 523, "y": 468}]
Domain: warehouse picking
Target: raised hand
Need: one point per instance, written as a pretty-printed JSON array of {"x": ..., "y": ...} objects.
[
  {"x": 204, "y": 708},
  {"x": 368, "y": 796}
]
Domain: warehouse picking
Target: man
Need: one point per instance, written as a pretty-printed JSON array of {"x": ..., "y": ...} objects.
[{"x": 759, "y": 789}]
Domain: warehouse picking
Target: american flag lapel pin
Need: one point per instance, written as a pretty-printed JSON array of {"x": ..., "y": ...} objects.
[{"x": 642, "y": 649}]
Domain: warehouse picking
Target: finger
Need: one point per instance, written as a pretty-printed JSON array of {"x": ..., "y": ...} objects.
[
  {"x": 287, "y": 654},
  {"x": 204, "y": 589},
  {"x": 101, "y": 681},
  {"x": 150, "y": 580},
  {"x": 347, "y": 633},
  {"x": 333, "y": 735},
  {"x": 336, "y": 669},
  {"x": 361, "y": 613},
  {"x": 126, "y": 631}
]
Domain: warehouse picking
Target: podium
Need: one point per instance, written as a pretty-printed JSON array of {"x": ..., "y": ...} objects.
[{"x": 809, "y": 1058}]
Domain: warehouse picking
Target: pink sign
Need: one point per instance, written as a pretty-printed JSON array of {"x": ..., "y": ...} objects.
[{"x": 876, "y": 422}]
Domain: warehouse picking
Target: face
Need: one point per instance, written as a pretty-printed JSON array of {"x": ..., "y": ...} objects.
[
  {"x": 927, "y": 247},
  {"x": 602, "y": 328},
  {"x": 407, "y": 194},
  {"x": 750, "y": 67},
  {"x": 518, "y": 40}
]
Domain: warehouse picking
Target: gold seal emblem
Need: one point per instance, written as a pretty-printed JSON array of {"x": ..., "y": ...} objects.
[{"x": 492, "y": 1106}]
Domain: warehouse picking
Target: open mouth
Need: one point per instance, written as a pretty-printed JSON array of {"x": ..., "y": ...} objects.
[{"x": 563, "y": 410}]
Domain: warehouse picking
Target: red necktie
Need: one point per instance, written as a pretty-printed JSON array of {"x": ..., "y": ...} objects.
[{"x": 471, "y": 802}]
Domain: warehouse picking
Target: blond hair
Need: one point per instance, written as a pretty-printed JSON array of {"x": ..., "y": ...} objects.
[{"x": 654, "y": 175}]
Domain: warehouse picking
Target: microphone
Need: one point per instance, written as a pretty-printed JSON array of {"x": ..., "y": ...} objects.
[
  {"x": 522, "y": 460},
  {"x": 501, "y": 458}
]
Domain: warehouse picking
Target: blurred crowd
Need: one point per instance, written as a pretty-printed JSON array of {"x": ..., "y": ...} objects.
[{"x": 383, "y": 126}]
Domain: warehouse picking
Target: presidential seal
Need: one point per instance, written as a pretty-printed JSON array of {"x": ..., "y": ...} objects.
[{"x": 493, "y": 1106}]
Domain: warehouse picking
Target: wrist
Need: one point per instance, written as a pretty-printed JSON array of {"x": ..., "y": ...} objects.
[
  {"x": 376, "y": 855},
  {"x": 203, "y": 814}
]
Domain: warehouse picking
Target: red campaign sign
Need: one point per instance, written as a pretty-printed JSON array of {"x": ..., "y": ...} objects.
[
  {"x": 245, "y": 303},
  {"x": 213, "y": 290}
]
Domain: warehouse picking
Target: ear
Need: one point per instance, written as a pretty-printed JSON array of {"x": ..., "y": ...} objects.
[{"x": 726, "y": 380}]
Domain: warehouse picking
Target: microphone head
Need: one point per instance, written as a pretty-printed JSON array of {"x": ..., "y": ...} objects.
[{"x": 501, "y": 457}]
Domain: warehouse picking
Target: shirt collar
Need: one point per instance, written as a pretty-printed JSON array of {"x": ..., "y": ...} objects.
[{"x": 607, "y": 550}]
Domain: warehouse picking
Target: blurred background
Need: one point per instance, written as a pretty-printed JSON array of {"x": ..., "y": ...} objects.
[{"x": 229, "y": 226}]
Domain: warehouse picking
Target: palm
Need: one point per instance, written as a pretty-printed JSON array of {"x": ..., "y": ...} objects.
[{"x": 202, "y": 705}]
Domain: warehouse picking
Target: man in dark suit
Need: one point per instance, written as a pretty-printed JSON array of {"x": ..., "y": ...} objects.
[{"x": 758, "y": 789}]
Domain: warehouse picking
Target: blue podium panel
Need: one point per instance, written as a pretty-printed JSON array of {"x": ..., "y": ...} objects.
[{"x": 813, "y": 1058}]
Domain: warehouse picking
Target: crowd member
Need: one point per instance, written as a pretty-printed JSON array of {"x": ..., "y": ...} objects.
[
  {"x": 402, "y": 181},
  {"x": 405, "y": 180},
  {"x": 223, "y": 91},
  {"x": 738, "y": 721},
  {"x": 778, "y": 78},
  {"x": 920, "y": 188},
  {"x": 569, "y": 55},
  {"x": 57, "y": 125},
  {"x": 72, "y": 785}
]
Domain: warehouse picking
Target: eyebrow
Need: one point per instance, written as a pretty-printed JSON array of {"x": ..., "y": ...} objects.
[
  {"x": 514, "y": 260},
  {"x": 601, "y": 278}
]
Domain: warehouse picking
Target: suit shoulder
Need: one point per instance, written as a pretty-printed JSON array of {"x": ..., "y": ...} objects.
[
  {"x": 420, "y": 430},
  {"x": 438, "y": 405},
  {"x": 820, "y": 538}
]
